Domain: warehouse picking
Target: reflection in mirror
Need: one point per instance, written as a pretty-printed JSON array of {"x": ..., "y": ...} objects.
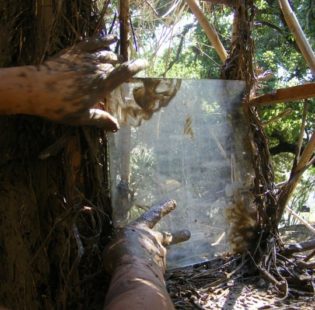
[{"x": 182, "y": 140}]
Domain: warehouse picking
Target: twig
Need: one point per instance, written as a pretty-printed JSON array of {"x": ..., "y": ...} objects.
[
  {"x": 102, "y": 14},
  {"x": 282, "y": 285},
  {"x": 179, "y": 48},
  {"x": 219, "y": 239},
  {"x": 134, "y": 38},
  {"x": 280, "y": 115},
  {"x": 112, "y": 24},
  {"x": 271, "y": 25},
  {"x": 152, "y": 7},
  {"x": 77, "y": 34},
  {"x": 172, "y": 8},
  {"x": 301, "y": 220}
]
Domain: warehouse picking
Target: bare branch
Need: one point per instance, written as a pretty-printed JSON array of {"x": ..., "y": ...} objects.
[
  {"x": 277, "y": 117},
  {"x": 296, "y": 173},
  {"x": 301, "y": 220},
  {"x": 179, "y": 49},
  {"x": 208, "y": 29},
  {"x": 300, "y": 140},
  {"x": 285, "y": 94},
  {"x": 306, "y": 155},
  {"x": 298, "y": 34}
]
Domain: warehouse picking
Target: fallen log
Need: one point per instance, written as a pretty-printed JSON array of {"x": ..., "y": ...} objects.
[{"x": 298, "y": 247}]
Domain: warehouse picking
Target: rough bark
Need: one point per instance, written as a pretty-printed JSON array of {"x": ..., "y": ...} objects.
[{"x": 53, "y": 207}]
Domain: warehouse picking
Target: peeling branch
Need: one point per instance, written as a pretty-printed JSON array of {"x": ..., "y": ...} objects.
[
  {"x": 208, "y": 29},
  {"x": 300, "y": 38}
]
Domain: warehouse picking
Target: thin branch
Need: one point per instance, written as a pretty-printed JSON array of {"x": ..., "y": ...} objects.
[
  {"x": 300, "y": 140},
  {"x": 301, "y": 220},
  {"x": 298, "y": 34},
  {"x": 134, "y": 38},
  {"x": 277, "y": 117},
  {"x": 285, "y": 94},
  {"x": 180, "y": 48},
  {"x": 124, "y": 28},
  {"x": 208, "y": 29},
  {"x": 306, "y": 155},
  {"x": 172, "y": 8},
  {"x": 100, "y": 21},
  {"x": 152, "y": 7},
  {"x": 284, "y": 34},
  {"x": 112, "y": 24},
  {"x": 287, "y": 190},
  {"x": 259, "y": 22}
]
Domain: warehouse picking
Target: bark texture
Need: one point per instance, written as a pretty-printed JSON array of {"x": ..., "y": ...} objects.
[{"x": 54, "y": 209}]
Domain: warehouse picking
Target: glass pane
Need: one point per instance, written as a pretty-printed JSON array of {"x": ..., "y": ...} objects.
[{"x": 182, "y": 140}]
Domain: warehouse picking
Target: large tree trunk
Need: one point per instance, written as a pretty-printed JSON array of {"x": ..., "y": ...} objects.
[{"x": 54, "y": 207}]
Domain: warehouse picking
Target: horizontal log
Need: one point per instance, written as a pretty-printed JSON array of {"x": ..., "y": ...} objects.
[
  {"x": 299, "y": 247},
  {"x": 285, "y": 94}
]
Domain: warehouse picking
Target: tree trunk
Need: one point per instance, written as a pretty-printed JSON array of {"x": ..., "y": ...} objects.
[{"x": 54, "y": 211}]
